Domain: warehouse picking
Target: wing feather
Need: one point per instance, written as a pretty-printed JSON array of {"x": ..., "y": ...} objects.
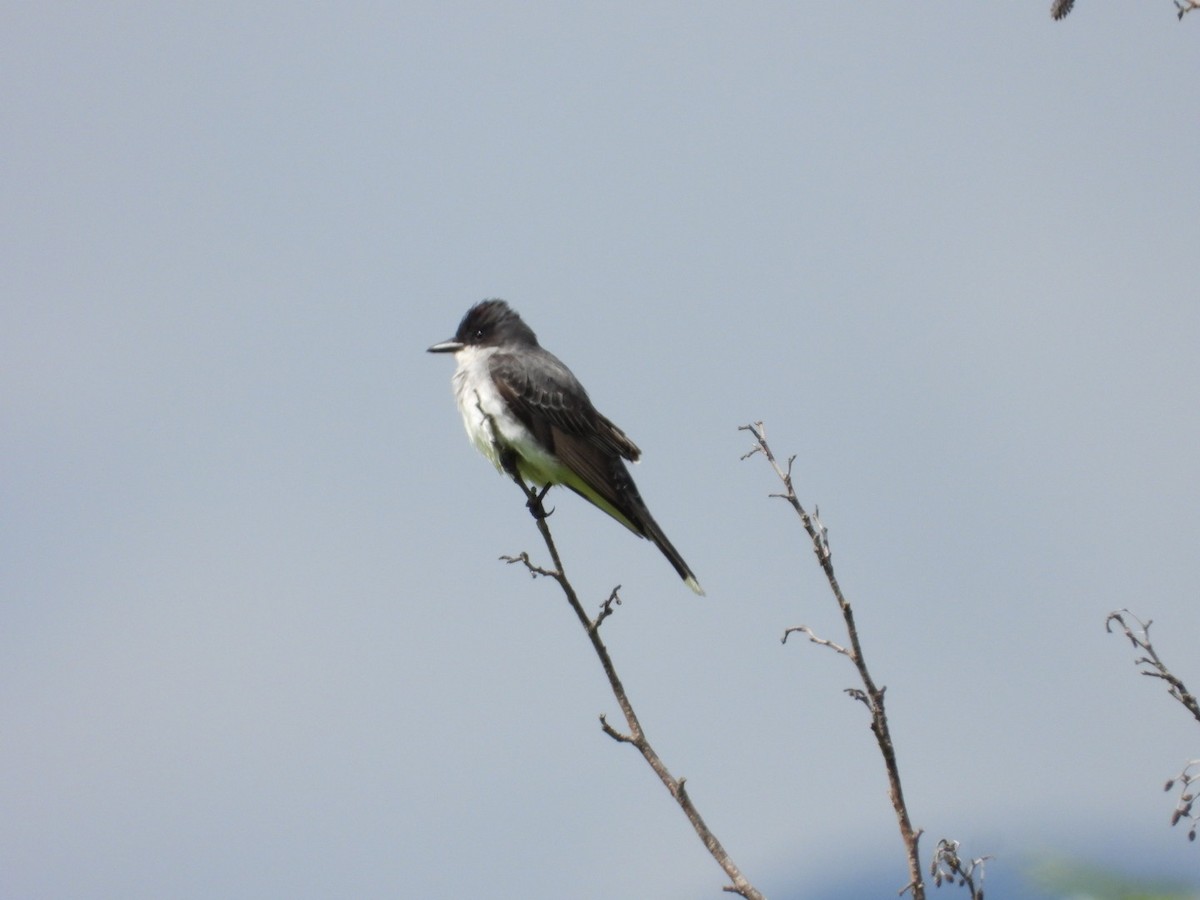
[
  {"x": 603, "y": 479},
  {"x": 556, "y": 402}
]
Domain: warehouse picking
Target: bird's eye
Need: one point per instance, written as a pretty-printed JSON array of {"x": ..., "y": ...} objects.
[{"x": 479, "y": 332}]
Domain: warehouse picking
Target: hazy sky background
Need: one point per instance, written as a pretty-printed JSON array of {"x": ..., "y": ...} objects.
[{"x": 255, "y": 641}]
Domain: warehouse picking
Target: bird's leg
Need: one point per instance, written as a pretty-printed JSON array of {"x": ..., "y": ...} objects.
[
  {"x": 535, "y": 503},
  {"x": 533, "y": 498},
  {"x": 510, "y": 463}
]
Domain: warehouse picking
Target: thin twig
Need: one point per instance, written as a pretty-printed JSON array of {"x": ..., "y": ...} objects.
[
  {"x": 636, "y": 735},
  {"x": 823, "y": 642},
  {"x": 872, "y": 695},
  {"x": 1151, "y": 665}
]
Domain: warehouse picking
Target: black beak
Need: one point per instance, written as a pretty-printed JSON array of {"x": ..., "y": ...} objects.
[{"x": 450, "y": 346}]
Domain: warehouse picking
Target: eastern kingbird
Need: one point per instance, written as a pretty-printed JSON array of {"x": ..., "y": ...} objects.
[{"x": 532, "y": 418}]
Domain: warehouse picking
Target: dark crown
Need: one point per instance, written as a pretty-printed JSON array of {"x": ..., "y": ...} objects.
[{"x": 494, "y": 322}]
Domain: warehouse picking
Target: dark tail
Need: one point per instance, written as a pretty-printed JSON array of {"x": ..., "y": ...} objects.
[
  {"x": 604, "y": 481},
  {"x": 655, "y": 534},
  {"x": 635, "y": 509}
]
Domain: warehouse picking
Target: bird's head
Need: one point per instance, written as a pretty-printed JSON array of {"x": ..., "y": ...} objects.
[{"x": 491, "y": 323}]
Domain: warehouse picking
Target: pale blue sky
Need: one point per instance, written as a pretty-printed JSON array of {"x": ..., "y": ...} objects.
[{"x": 254, "y": 637}]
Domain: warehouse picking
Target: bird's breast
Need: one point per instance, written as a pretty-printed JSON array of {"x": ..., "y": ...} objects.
[{"x": 490, "y": 424}]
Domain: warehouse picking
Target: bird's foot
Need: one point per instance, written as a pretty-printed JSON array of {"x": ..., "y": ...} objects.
[{"x": 535, "y": 504}]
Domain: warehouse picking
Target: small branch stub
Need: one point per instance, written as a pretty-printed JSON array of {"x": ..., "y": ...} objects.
[
  {"x": 534, "y": 569},
  {"x": 607, "y": 608},
  {"x": 613, "y": 733}
]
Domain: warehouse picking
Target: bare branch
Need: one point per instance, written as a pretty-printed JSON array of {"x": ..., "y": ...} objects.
[
  {"x": 636, "y": 735},
  {"x": 871, "y": 695},
  {"x": 1151, "y": 665}
]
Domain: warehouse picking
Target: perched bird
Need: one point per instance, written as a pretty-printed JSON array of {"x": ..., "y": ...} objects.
[{"x": 531, "y": 417}]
